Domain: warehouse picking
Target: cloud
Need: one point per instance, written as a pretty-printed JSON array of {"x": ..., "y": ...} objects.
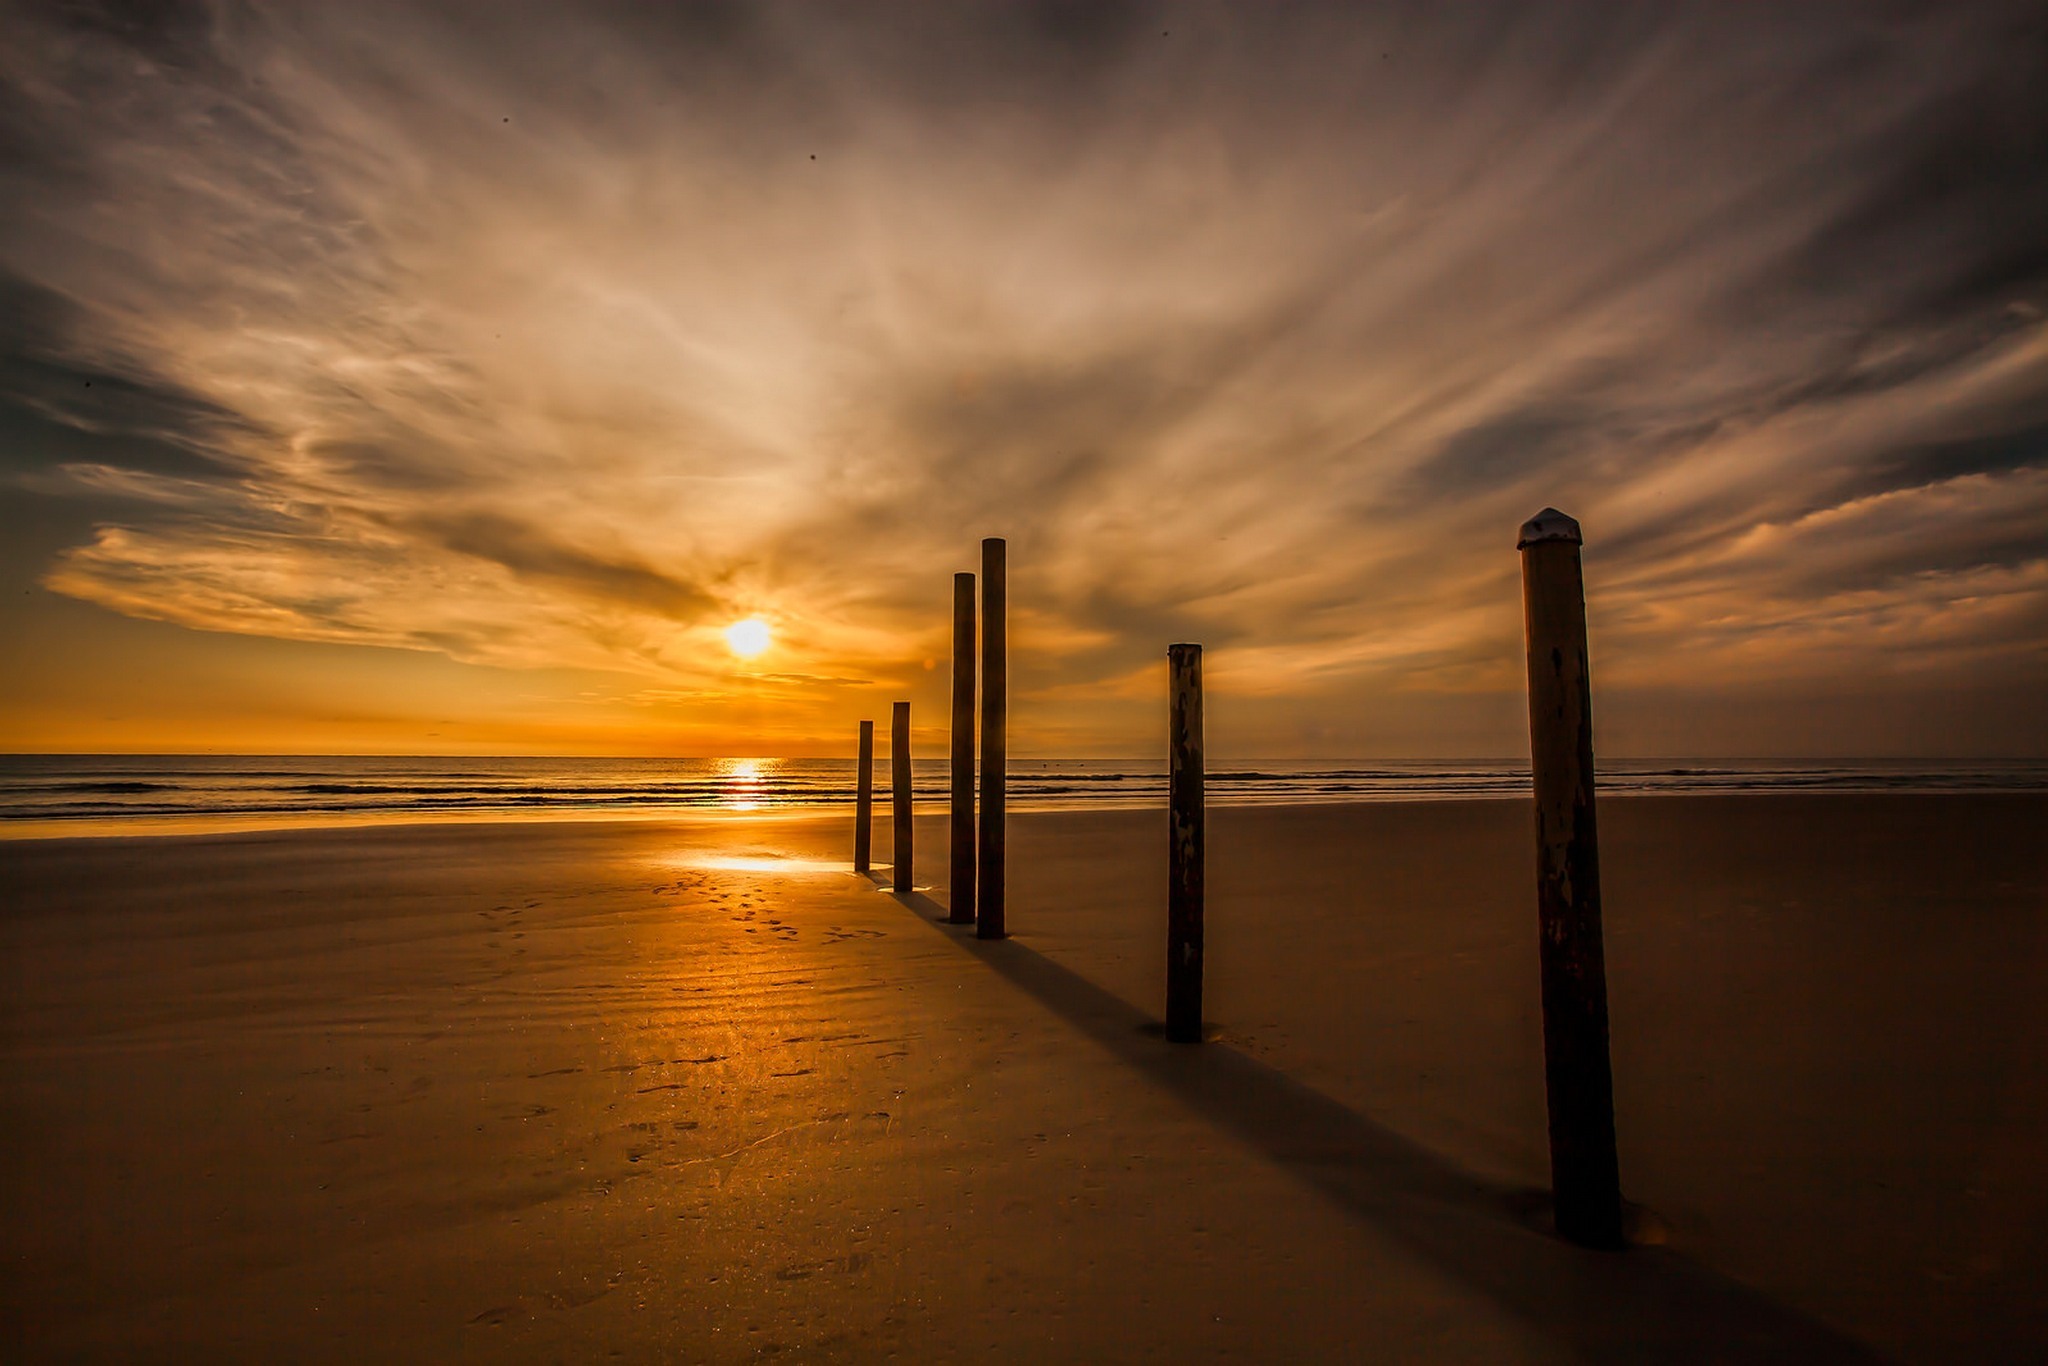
[{"x": 538, "y": 334}]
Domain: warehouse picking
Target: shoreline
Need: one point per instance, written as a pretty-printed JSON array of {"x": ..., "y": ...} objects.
[{"x": 100, "y": 827}]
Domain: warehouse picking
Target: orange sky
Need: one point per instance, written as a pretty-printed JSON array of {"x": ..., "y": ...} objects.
[{"x": 410, "y": 379}]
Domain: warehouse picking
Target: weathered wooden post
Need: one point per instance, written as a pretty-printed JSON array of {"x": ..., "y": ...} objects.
[
  {"x": 899, "y": 793},
  {"x": 864, "y": 799},
  {"x": 995, "y": 740},
  {"x": 960, "y": 909},
  {"x": 1187, "y": 817},
  {"x": 1578, "y": 1078}
]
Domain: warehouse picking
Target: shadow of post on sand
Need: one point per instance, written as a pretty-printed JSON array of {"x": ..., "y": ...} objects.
[{"x": 1646, "y": 1304}]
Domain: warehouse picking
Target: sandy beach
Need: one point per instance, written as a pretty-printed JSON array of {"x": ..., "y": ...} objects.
[{"x": 695, "y": 1091}]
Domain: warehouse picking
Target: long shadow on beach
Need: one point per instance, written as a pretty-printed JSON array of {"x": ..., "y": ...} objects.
[{"x": 1647, "y": 1304}]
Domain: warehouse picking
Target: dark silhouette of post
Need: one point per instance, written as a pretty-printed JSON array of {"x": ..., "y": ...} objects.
[
  {"x": 960, "y": 907},
  {"x": 1187, "y": 817},
  {"x": 864, "y": 799},
  {"x": 899, "y": 794},
  {"x": 995, "y": 739},
  {"x": 1578, "y": 1078}
]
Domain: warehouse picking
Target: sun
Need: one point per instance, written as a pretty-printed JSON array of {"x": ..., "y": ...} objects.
[{"x": 748, "y": 638}]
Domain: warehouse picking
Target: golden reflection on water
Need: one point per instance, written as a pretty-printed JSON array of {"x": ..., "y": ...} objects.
[
  {"x": 744, "y": 782},
  {"x": 743, "y": 785}
]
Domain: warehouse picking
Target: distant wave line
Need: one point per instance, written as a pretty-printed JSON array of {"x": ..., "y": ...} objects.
[{"x": 121, "y": 787}]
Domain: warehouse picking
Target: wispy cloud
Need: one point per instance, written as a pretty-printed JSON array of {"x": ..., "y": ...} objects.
[{"x": 563, "y": 335}]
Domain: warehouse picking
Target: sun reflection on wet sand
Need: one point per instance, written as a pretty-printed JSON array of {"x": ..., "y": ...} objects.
[{"x": 758, "y": 863}]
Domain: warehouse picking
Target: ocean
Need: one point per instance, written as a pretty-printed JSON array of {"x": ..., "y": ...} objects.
[{"x": 48, "y": 793}]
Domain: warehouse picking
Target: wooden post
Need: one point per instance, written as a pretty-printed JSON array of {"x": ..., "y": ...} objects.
[
  {"x": 1578, "y": 1079},
  {"x": 864, "y": 799},
  {"x": 1187, "y": 818},
  {"x": 899, "y": 792},
  {"x": 995, "y": 738},
  {"x": 960, "y": 907}
]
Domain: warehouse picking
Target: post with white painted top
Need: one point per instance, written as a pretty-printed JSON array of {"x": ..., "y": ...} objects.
[
  {"x": 1578, "y": 1077},
  {"x": 899, "y": 794},
  {"x": 960, "y": 901},
  {"x": 864, "y": 799},
  {"x": 1187, "y": 817}
]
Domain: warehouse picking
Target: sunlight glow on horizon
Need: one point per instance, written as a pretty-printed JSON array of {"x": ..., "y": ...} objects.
[{"x": 1266, "y": 336}]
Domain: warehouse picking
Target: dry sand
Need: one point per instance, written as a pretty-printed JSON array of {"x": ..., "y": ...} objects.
[{"x": 694, "y": 1091}]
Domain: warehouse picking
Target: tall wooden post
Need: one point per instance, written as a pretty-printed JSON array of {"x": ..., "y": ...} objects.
[
  {"x": 1187, "y": 817},
  {"x": 960, "y": 908},
  {"x": 1578, "y": 1079},
  {"x": 899, "y": 794},
  {"x": 864, "y": 799},
  {"x": 995, "y": 736}
]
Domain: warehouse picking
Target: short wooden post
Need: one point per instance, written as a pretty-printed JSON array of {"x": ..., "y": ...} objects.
[
  {"x": 1187, "y": 817},
  {"x": 1578, "y": 1078},
  {"x": 899, "y": 793},
  {"x": 864, "y": 799},
  {"x": 995, "y": 738},
  {"x": 960, "y": 899}
]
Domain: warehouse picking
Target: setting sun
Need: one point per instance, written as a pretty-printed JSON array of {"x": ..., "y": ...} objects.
[{"x": 748, "y": 638}]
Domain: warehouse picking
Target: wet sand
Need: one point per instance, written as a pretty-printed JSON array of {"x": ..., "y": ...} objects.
[{"x": 697, "y": 1092}]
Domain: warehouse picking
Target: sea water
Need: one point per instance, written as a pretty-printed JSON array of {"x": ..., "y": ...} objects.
[{"x": 112, "y": 788}]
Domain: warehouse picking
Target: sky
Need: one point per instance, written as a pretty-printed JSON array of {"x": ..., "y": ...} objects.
[{"x": 417, "y": 378}]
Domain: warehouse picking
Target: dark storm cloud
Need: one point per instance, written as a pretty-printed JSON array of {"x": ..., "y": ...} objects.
[
  {"x": 535, "y": 332},
  {"x": 531, "y": 554},
  {"x": 2017, "y": 448},
  {"x": 39, "y": 377},
  {"x": 1955, "y": 201}
]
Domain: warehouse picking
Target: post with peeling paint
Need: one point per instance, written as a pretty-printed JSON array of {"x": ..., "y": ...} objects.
[
  {"x": 960, "y": 907},
  {"x": 899, "y": 794},
  {"x": 1578, "y": 1079},
  {"x": 1187, "y": 817},
  {"x": 864, "y": 799},
  {"x": 995, "y": 737}
]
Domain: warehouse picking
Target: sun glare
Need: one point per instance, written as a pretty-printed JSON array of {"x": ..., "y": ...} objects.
[
  {"x": 748, "y": 638},
  {"x": 744, "y": 786}
]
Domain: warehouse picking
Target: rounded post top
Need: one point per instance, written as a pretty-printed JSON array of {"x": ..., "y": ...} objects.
[{"x": 1549, "y": 525}]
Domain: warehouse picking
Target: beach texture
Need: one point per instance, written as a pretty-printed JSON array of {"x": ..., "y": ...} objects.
[{"x": 695, "y": 1091}]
